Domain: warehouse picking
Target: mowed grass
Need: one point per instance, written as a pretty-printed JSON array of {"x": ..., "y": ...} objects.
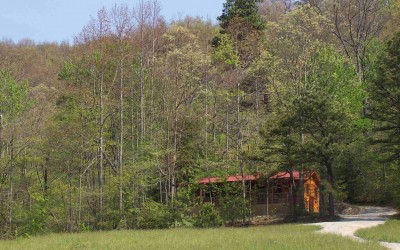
[
  {"x": 266, "y": 237},
  {"x": 389, "y": 232}
]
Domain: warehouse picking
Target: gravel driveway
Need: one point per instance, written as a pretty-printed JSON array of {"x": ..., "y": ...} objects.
[{"x": 368, "y": 217}]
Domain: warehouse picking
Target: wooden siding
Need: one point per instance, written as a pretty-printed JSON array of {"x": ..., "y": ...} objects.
[
  {"x": 275, "y": 193},
  {"x": 311, "y": 196}
]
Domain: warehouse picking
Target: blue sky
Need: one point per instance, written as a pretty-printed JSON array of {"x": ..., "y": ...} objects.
[{"x": 60, "y": 20}]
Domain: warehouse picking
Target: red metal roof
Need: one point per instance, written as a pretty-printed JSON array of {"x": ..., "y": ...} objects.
[
  {"x": 284, "y": 175},
  {"x": 235, "y": 178},
  {"x": 232, "y": 178},
  {"x": 238, "y": 178},
  {"x": 209, "y": 180}
]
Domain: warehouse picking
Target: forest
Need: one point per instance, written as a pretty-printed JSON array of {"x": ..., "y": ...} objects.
[{"x": 114, "y": 130}]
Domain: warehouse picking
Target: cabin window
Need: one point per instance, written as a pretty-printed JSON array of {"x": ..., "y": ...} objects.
[
  {"x": 209, "y": 195},
  {"x": 278, "y": 188},
  {"x": 261, "y": 198},
  {"x": 279, "y": 196}
]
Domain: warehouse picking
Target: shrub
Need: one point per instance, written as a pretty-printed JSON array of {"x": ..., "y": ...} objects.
[
  {"x": 107, "y": 219},
  {"x": 234, "y": 209},
  {"x": 207, "y": 217},
  {"x": 31, "y": 222},
  {"x": 182, "y": 207},
  {"x": 232, "y": 206},
  {"x": 153, "y": 215}
]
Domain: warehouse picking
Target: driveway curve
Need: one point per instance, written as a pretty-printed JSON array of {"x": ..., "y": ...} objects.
[{"x": 368, "y": 217}]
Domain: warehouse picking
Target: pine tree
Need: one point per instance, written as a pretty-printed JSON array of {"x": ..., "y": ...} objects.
[
  {"x": 245, "y": 9},
  {"x": 385, "y": 101}
]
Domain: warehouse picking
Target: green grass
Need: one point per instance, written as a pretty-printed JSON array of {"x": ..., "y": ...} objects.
[
  {"x": 266, "y": 237},
  {"x": 389, "y": 232}
]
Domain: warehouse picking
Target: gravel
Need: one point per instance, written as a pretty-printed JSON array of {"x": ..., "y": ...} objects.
[{"x": 368, "y": 216}]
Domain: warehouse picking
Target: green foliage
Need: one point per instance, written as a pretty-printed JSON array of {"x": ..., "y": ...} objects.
[
  {"x": 14, "y": 98},
  {"x": 84, "y": 228},
  {"x": 107, "y": 219},
  {"x": 320, "y": 112},
  {"x": 207, "y": 217},
  {"x": 327, "y": 127},
  {"x": 153, "y": 215},
  {"x": 33, "y": 222},
  {"x": 331, "y": 71},
  {"x": 384, "y": 101},
  {"x": 183, "y": 205},
  {"x": 245, "y": 9},
  {"x": 318, "y": 121},
  {"x": 225, "y": 53},
  {"x": 232, "y": 206}
]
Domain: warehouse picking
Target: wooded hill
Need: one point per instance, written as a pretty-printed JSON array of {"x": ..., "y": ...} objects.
[{"x": 114, "y": 130}]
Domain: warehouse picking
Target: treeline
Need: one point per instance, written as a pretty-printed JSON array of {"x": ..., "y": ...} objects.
[{"x": 113, "y": 131}]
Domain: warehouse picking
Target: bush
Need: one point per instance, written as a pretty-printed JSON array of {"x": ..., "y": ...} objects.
[
  {"x": 107, "y": 219},
  {"x": 153, "y": 215},
  {"x": 182, "y": 207},
  {"x": 234, "y": 209},
  {"x": 207, "y": 217},
  {"x": 31, "y": 222}
]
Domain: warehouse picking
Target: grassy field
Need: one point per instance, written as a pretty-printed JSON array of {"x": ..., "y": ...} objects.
[
  {"x": 266, "y": 237},
  {"x": 389, "y": 232}
]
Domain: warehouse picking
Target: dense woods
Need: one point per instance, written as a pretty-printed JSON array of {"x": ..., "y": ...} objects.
[{"x": 114, "y": 130}]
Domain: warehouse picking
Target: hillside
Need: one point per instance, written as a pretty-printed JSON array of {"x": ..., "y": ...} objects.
[{"x": 115, "y": 130}]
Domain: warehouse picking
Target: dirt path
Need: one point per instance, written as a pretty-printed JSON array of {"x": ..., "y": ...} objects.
[{"x": 368, "y": 217}]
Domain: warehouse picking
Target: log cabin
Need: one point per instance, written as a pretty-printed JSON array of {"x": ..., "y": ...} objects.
[{"x": 268, "y": 195}]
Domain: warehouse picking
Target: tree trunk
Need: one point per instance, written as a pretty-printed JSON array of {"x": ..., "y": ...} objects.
[
  {"x": 301, "y": 181},
  {"x": 168, "y": 160},
  {"x": 239, "y": 132},
  {"x": 173, "y": 178},
  {"x": 69, "y": 216},
  {"x": 206, "y": 125},
  {"x": 45, "y": 178},
  {"x": 121, "y": 135},
  {"x": 293, "y": 192},
  {"x": 80, "y": 200},
  {"x": 322, "y": 201},
  {"x": 243, "y": 189},
  {"x": 1, "y": 136},
  {"x": 267, "y": 197},
  {"x": 331, "y": 205},
  {"x": 330, "y": 193},
  {"x": 239, "y": 139},
  {"x": 101, "y": 146},
  {"x": 227, "y": 137},
  {"x": 132, "y": 121},
  {"x": 11, "y": 194},
  {"x": 257, "y": 106},
  {"x": 142, "y": 102},
  {"x": 300, "y": 189}
]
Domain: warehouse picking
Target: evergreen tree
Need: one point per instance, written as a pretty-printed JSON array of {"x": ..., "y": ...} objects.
[
  {"x": 314, "y": 126},
  {"x": 385, "y": 101},
  {"x": 241, "y": 21},
  {"x": 245, "y": 9}
]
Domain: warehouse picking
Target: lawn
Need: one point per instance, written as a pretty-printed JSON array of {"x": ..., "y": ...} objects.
[
  {"x": 265, "y": 237},
  {"x": 389, "y": 232}
]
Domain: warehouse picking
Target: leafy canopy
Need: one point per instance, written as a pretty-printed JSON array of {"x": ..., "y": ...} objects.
[{"x": 13, "y": 96}]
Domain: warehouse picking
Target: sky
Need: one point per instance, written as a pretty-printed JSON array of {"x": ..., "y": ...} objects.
[{"x": 61, "y": 20}]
